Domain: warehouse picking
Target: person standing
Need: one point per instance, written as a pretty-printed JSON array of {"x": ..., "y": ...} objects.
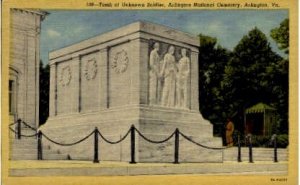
[
  {"x": 182, "y": 80},
  {"x": 154, "y": 76},
  {"x": 168, "y": 72},
  {"x": 229, "y": 132}
]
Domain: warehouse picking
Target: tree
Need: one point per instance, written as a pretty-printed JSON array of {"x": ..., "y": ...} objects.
[
  {"x": 281, "y": 35},
  {"x": 280, "y": 73},
  {"x": 247, "y": 79},
  {"x": 212, "y": 60},
  {"x": 44, "y": 92}
]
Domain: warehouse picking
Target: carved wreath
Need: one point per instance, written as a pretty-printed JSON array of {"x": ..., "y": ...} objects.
[
  {"x": 120, "y": 62},
  {"x": 65, "y": 76},
  {"x": 90, "y": 71}
]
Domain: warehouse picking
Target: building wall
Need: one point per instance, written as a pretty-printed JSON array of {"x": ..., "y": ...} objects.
[{"x": 25, "y": 63}]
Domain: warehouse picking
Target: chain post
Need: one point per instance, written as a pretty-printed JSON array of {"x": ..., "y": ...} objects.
[
  {"x": 275, "y": 148},
  {"x": 239, "y": 158},
  {"x": 19, "y": 128},
  {"x": 96, "y": 154},
  {"x": 132, "y": 133},
  {"x": 176, "y": 152},
  {"x": 40, "y": 146},
  {"x": 250, "y": 148}
]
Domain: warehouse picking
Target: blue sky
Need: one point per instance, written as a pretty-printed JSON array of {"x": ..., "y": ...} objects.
[{"x": 65, "y": 27}]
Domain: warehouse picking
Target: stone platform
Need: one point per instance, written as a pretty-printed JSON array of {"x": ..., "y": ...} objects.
[
  {"x": 84, "y": 168},
  {"x": 155, "y": 123}
]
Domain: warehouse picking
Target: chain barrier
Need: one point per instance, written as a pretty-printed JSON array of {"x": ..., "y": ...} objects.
[
  {"x": 33, "y": 135},
  {"x": 114, "y": 142},
  {"x": 29, "y": 126},
  {"x": 13, "y": 123},
  {"x": 68, "y": 144},
  {"x": 152, "y": 141},
  {"x": 132, "y": 130},
  {"x": 203, "y": 146}
]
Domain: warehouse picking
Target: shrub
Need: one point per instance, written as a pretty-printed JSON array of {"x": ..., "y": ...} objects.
[{"x": 262, "y": 141}]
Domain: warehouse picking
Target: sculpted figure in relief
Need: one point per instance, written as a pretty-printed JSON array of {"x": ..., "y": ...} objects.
[
  {"x": 154, "y": 76},
  {"x": 182, "y": 80},
  {"x": 168, "y": 72}
]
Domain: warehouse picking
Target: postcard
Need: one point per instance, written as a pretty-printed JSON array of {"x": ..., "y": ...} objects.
[{"x": 149, "y": 92}]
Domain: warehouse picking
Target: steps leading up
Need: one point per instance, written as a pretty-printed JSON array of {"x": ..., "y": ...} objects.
[
  {"x": 26, "y": 148},
  {"x": 259, "y": 154}
]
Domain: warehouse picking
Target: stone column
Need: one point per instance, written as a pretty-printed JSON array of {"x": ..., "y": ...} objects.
[
  {"x": 194, "y": 100},
  {"x": 135, "y": 62},
  {"x": 37, "y": 73},
  {"x": 103, "y": 75},
  {"x": 144, "y": 71},
  {"x": 53, "y": 90},
  {"x": 76, "y": 83}
]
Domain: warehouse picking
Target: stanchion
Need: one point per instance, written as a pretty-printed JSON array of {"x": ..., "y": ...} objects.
[
  {"x": 96, "y": 155},
  {"x": 250, "y": 148},
  {"x": 19, "y": 128},
  {"x": 40, "y": 146},
  {"x": 239, "y": 158},
  {"x": 176, "y": 153},
  {"x": 275, "y": 148},
  {"x": 132, "y": 133}
]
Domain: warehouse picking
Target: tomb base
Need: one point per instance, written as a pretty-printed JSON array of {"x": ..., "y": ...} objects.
[{"x": 154, "y": 122}]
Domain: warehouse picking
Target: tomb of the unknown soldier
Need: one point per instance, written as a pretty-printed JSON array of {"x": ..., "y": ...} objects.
[{"x": 142, "y": 74}]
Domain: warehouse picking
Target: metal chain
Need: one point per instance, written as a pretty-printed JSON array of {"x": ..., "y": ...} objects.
[
  {"x": 207, "y": 147},
  {"x": 29, "y": 126},
  {"x": 114, "y": 142},
  {"x": 68, "y": 144},
  {"x": 23, "y": 134},
  {"x": 13, "y": 123},
  {"x": 152, "y": 141}
]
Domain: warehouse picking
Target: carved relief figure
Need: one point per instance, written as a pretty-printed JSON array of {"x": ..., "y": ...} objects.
[
  {"x": 154, "y": 76},
  {"x": 182, "y": 80},
  {"x": 168, "y": 72}
]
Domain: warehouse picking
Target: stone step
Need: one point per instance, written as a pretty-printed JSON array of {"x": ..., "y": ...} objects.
[
  {"x": 46, "y": 156},
  {"x": 20, "y": 156},
  {"x": 124, "y": 168},
  {"x": 24, "y": 140},
  {"x": 259, "y": 154},
  {"x": 30, "y": 144},
  {"x": 26, "y": 149},
  {"x": 255, "y": 148},
  {"x": 255, "y": 154},
  {"x": 29, "y": 150}
]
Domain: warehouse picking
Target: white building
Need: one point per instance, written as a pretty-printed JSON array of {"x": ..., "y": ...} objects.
[{"x": 24, "y": 64}]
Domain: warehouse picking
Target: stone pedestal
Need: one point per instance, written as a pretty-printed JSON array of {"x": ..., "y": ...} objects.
[{"x": 142, "y": 74}]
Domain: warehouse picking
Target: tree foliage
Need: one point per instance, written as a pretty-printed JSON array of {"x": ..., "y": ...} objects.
[
  {"x": 212, "y": 61},
  {"x": 281, "y": 35},
  {"x": 280, "y": 73},
  {"x": 247, "y": 76},
  {"x": 230, "y": 82},
  {"x": 44, "y": 93}
]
